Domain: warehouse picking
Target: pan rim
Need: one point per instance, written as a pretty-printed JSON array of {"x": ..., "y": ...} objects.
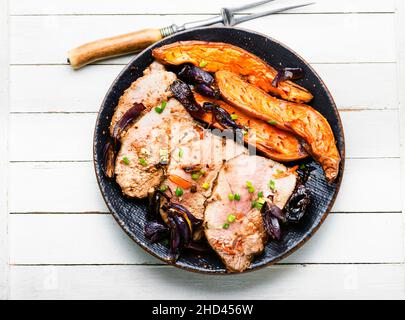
[{"x": 288, "y": 252}]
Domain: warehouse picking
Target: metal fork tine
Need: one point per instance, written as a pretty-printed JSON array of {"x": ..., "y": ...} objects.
[
  {"x": 249, "y": 6},
  {"x": 245, "y": 18}
]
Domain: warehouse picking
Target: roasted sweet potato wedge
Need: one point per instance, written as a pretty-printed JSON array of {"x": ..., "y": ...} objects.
[
  {"x": 216, "y": 56},
  {"x": 278, "y": 145},
  {"x": 300, "y": 119}
]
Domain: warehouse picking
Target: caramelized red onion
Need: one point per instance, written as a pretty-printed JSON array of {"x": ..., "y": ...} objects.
[
  {"x": 305, "y": 172},
  {"x": 272, "y": 226},
  {"x": 175, "y": 239},
  {"x": 224, "y": 118},
  {"x": 221, "y": 116},
  {"x": 183, "y": 228},
  {"x": 271, "y": 214},
  {"x": 155, "y": 201},
  {"x": 298, "y": 204},
  {"x": 203, "y": 81},
  {"x": 112, "y": 146},
  {"x": 208, "y": 91},
  {"x": 180, "y": 222},
  {"x": 182, "y": 92},
  {"x": 156, "y": 231},
  {"x": 183, "y": 210},
  {"x": 108, "y": 164},
  {"x": 194, "y": 75},
  {"x": 184, "y": 95},
  {"x": 287, "y": 74},
  {"x": 126, "y": 119}
]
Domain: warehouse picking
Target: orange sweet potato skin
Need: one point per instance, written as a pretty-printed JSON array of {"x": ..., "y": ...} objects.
[
  {"x": 216, "y": 56},
  {"x": 300, "y": 119},
  {"x": 276, "y": 144}
]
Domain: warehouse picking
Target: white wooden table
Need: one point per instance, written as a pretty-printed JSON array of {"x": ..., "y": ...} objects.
[{"x": 57, "y": 239}]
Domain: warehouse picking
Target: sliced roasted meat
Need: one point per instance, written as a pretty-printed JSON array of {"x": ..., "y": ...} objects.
[
  {"x": 233, "y": 222},
  {"x": 145, "y": 150},
  {"x": 150, "y": 90},
  {"x": 196, "y": 158}
]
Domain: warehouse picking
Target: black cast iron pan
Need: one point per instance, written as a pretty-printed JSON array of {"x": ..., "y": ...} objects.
[{"x": 130, "y": 214}]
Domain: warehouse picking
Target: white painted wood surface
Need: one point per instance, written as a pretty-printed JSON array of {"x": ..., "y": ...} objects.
[
  {"x": 3, "y": 148},
  {"x": 27, "y": 7},
  {"x": 61, "y": 241}
]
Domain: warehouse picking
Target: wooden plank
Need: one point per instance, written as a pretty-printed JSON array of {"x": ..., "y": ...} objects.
[
  {"x": 51, "y": 136},
  {"x": 4, "y": 108},
  {"x": 360, "y": 184},
  {"x": 60, "y": 88},
  {"x": 345, "y": 38},
  {"x": 365, "y": 135},
  {"x": 68, "y": 137},
  {"x": 401, "y": 94},
  {"x": 83, "y": 91},
  {"x": 77, "y": 190},
  {"x": 347, "y": 82},
  {"x": 97, "y": 239},
  {"x": 181, "y": 6},
  {"x": 158, "y": 282}
]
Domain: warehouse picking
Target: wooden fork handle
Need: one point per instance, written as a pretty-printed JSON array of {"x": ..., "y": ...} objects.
[{"x": 112, "y": 47}]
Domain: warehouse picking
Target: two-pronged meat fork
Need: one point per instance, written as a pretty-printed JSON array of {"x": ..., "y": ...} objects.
[{"x": 136, "y": 41}]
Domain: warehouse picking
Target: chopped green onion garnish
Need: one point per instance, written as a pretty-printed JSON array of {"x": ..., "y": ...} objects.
[
  {"x": 143, "y": 162},
  {"x": 272, "y": 122},
  {"x": 231, "y": 218},
  {"x": 203, "y": 172},
  {"x": 206, "y": 186},
  {"x": 272, "y": 185},
  {"x": 225, "y": 226},
  {"x": 231, "y": 197},
  {"x": 234, "y": 116},
  {"x": 279, "y": 171},
  {"x": 203, "y": 64},
  {"x": 195, "y": 176},
  {"x": 259, "y": 206},
  {"x": 164, "y": 188},
  {"x": 125, "y": 160},
  {"x": 181, "y": 153},
  {"x": 164, "y": 158},
  {"x": 179, "y": 192},
  {"x": 260, "y": 194},
  {"x": 162, "y": 107},
  {"x": 261, "y": 201},
  {"x": 250, "y": 187},
  {"x": 302, "y": 166},
  {"x": 237, "y": 196}
]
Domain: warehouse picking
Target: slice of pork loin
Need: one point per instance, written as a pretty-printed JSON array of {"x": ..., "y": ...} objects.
[
  {"x": 245, "y": 237},
  {"x": 150, "y": 90},
  {"x": 144, "y": 146},
  {"x": 197, "y": 151}
]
